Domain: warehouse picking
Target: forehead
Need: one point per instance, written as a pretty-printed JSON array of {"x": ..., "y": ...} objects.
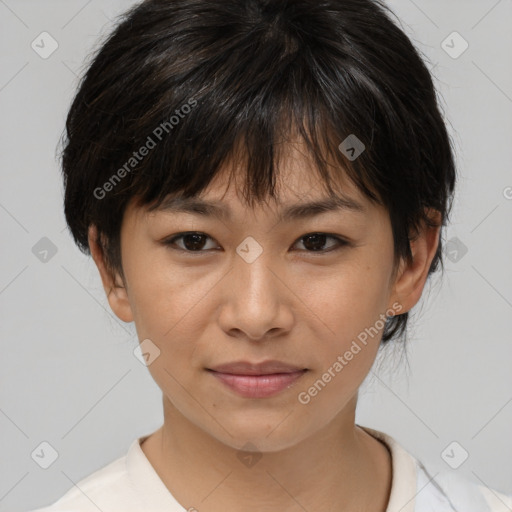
[
  {"x": 297, "y": 181},
  {"x": 308, "y": 206}
]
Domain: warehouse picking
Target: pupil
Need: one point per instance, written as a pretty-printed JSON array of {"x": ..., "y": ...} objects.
[
  {"x": 319, "y": 239},
  {"x": 196, "y": 243}
]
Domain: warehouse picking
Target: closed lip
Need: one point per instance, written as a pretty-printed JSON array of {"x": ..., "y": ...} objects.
[{"x": 263, "y": 368}]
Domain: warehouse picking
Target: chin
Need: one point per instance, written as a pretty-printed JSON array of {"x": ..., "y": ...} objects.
[{"x": 261, "y": 432}]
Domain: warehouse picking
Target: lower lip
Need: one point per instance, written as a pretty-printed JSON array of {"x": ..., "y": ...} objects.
[{"x": 258, "y": 386}]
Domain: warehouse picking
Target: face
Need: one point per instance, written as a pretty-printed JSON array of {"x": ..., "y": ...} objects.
[{"x": 309, "y": 292}]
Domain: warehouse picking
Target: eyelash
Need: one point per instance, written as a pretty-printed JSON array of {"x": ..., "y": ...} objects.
[{"x": 170, "y": 242}]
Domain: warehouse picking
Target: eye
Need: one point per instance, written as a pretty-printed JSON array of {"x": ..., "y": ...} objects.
[
  {"x": 314, "y": 242},
  {"x": 193, "y": 241}
]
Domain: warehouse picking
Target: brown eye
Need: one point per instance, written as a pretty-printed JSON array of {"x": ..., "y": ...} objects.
[
  {"x": 197, "y": 242},
  {"x": 191, "y": 242},
  {"x": 315, "y": 242}
]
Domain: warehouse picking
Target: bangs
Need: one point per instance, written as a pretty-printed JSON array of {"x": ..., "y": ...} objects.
[{"x": 249, "y": 120}]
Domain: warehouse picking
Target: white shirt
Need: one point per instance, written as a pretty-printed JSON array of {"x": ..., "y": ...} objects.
[{"x": 130, "y": 484}]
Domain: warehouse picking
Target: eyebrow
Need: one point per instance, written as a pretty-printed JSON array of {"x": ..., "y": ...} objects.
[{"x": 297, "y": 211}]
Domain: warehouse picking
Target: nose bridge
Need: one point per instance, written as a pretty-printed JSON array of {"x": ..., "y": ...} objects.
[
  {"x": 254, "y": 277},
  {"x": 255, "y": 304}
]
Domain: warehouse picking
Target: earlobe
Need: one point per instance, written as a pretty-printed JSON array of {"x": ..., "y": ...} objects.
[
  {"x": 412, "y": 276},
  {"x": 112, "y": 283}
]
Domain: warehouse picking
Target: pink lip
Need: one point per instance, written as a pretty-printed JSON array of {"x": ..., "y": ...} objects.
[{"x": 257, "y": 380}]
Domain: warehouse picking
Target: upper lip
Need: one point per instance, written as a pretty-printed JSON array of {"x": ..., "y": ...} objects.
[{"x": 263, "y": 368}]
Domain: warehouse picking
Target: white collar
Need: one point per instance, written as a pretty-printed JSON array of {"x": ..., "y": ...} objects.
[{"x": 406, "y": 474}]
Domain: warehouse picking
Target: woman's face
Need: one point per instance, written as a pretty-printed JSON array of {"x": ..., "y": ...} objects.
[{"x": 309, "y": 289}]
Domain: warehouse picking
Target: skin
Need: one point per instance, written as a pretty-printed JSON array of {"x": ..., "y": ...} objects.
[{"x": 290, "y": 304}]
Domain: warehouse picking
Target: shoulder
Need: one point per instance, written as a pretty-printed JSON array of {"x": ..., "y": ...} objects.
[
  {"x": 128, "y": 484},
  {"x": 414, "y": 489},
  {"x": 498, "y": 501},
  {"x": 448, "y": 491},
  {"x": 466, "y": 493},
  {"x": 106, "y": 487}
]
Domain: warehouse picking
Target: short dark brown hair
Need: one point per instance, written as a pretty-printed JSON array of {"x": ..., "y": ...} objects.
[{"x": 191, "y": 80}]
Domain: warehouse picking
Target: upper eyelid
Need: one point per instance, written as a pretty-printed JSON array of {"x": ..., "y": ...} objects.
[{"x": 185, "y": 233}]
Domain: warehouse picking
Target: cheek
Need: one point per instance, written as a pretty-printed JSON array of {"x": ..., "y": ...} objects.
[
  {"x": 163, "y": 295},
  {"x": 173, "y": 307},
  {"x": 351, "y": 312},
  {"x": 349, "y": 303}
]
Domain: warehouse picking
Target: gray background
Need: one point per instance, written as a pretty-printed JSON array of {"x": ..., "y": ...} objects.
[{"x": 68, "y": 373}]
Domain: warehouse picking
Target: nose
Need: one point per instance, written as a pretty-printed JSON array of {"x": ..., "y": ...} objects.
[{"x": 256, "y": 302}]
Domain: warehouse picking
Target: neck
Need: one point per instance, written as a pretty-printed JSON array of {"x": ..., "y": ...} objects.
[{"x": 340, "y": 465}]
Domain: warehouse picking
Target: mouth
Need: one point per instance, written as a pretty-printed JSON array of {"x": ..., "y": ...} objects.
[{"x": 257, "y": 380}]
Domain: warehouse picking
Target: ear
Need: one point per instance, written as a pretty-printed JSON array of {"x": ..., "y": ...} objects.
[
  {"x": 113, "y": 285},
  {"x": 411, "y": 277}
]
